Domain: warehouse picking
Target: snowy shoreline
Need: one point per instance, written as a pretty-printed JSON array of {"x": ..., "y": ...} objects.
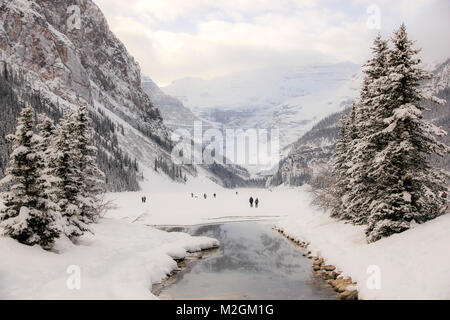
[
  {"x": 183, "y": 263},
  {"x": 414, "y": 264},
  {"x": 344, "y": 286},
  {"x": 121, "y": 261},
  {"x": 126, "y": 256}
]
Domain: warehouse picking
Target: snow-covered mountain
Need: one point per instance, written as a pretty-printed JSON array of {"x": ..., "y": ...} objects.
[
  {"x": 55, "y": 63},
  {"x": 64, "y": 53},
  {"x": 292, "y": 99},
  {"x": 175, "y": 115},
  {"x": 312, "y": 152}
]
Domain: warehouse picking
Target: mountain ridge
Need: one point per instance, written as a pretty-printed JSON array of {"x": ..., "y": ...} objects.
[{"x": 88, "y": 65}]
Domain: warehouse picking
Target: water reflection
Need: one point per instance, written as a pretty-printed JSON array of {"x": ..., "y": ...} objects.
[{"x": 253, "y": 262}]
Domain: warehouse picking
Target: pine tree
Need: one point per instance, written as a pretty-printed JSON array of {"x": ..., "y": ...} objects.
[
  {"x": 29, "y": 214},
  {"x": 46, "y": 146},
  {"x": 91, "y": 179},
  {"x": 47, "y": 167},
  {"x": 339, "y": 170},
  {"x": 363, "y": 146},
  {"x": 408, "y": 188},
  {"x": 68, "y": 172},
  {"x": 342, "y": 164},
  {"x": 47, "y": 130}
]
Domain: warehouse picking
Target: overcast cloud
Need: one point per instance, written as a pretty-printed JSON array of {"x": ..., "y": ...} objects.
[{"x": 173, "y": 39}]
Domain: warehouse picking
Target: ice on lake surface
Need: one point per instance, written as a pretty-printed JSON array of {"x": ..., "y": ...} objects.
[{"x": 253, "y": 262}]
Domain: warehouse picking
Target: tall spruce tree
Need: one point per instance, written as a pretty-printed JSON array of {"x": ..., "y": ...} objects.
[
  {"x": 67, "y": 170},
  {"x": 47, "y": 130},
  {"x": 29, "y": 214},
  {"x": 340, "y": 167},
  {"x": 92, "y": 178},
  {"x": 407, "y": 187},
  {"x": 46, "y": 147},
  {"x": 363, "y": 146}
]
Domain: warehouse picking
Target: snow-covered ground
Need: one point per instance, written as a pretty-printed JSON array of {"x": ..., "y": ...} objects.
[
  {"x": 179, "y": 208},
  {"x": 412, "y": 265},
  {"x": 126, "y": 254},
  {"x": 121, "y": 261}
]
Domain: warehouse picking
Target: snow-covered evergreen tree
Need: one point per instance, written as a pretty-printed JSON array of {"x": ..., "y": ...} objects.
[
  {"x": 47, "y": 130},
  {"x": 67, "y": 170},
  {"x": 340, "y": 166},
  {"x": 29, "y": 214},
  {"x": 92, "y": 179},
  {"x": 408, "y": 188},
  {"x": 381, "y": 170},
  {"x": 46, "y": 147},
  {"x": 362, "y": 189}
]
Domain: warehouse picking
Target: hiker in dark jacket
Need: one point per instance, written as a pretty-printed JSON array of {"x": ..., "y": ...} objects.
[
  {"x": 256, "y": 202},
  {"x": 251, "y": 202}
]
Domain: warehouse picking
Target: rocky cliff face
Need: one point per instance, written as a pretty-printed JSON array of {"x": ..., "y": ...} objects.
[
  {"x": 65, "y": 52},
  {"x": 68, "y": 49}
]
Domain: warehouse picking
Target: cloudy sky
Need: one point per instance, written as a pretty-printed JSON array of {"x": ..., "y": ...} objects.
[{"x": 173, "y": 39}]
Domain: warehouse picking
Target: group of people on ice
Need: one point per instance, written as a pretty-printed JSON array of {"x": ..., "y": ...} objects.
[
  {"x": 204, "y": 195},
  {"x": 251, "y": 200}
]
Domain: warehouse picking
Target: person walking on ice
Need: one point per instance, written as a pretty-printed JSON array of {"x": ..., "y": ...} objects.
[
  {"x": 251, "y": 202},
  {"x": 256, "y": 202}
]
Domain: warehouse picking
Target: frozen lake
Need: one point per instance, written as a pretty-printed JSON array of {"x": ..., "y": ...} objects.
[{"x": 253, "y": 262}]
